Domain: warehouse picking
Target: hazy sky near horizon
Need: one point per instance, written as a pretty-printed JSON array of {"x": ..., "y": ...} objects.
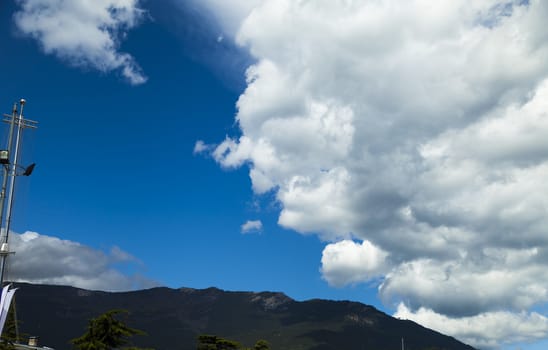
[{"x": 390, "y": 152}]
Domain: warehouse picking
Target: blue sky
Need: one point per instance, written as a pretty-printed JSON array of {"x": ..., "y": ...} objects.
[
  {"x": 384, "y": 152},
  {"x": 117, "y": 166}
]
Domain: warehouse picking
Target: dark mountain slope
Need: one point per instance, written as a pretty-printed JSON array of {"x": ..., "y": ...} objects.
[{"x": 174, "y": 317}]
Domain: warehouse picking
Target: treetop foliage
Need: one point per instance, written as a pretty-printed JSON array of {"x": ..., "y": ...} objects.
[
  {"x": 106, "y": 332},
  {"x": 213, "y": 342}
]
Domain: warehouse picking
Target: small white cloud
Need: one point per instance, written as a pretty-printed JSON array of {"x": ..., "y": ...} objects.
[
  {"x": 201, "y": 147},
  {"x": 84, "y": 33},
  {"x": 252, "y": 226}
]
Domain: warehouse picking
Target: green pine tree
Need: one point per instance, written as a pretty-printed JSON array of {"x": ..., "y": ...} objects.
[
  {"x": 106, "y": 333},
  {"x": 212, "y": 342},
  {"x": 261, "y": 345}
]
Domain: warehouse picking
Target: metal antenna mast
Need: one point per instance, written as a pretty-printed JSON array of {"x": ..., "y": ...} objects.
[{"x": 10, "y": 165}]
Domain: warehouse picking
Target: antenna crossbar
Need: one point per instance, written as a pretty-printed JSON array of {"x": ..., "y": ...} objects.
[{"x": 25, "y": 123}]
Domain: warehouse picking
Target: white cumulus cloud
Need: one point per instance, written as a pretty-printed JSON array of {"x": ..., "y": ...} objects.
[
  {"x": 347, "y": 262},
  {"x": 84, "y": 33},
  {"x": 419, "y": 128},
  {"x": 230, "y": 14}
]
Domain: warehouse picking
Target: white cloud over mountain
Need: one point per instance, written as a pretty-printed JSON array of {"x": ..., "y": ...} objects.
[
  {"x": 412, "y": 136},
  {"x": 50, "y": 260},
  {"x": 485, "y": 330},
  {"x": 84, "y": 33}
]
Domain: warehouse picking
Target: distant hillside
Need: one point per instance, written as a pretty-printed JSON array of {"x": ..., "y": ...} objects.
[{"x": 174, "y": 317}]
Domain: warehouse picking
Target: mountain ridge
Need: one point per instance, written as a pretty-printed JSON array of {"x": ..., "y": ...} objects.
[{"x": 173, "y": 318}]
